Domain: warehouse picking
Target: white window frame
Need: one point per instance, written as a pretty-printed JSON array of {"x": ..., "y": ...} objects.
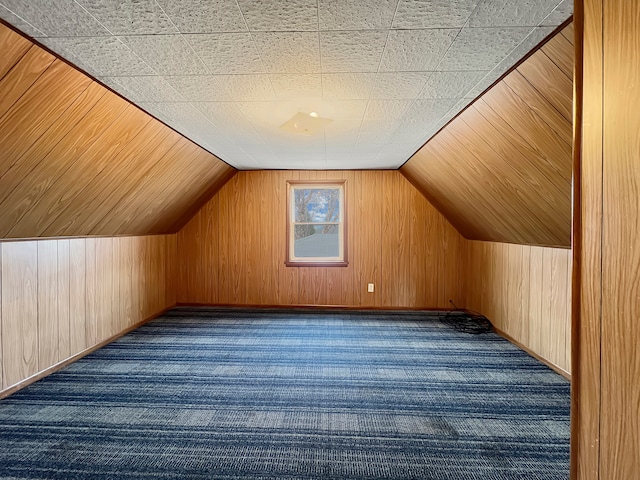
[{"x": 341, "y": 259}]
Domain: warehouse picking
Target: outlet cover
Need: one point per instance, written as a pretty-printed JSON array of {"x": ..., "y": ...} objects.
[{"x": 370, "y": 287}]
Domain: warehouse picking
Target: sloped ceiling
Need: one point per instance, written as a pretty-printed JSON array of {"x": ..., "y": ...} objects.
[
  {"x": 76, "y": 159},
  {"x": 228, "y": 73},
  {"x": 501, "y": 171}
]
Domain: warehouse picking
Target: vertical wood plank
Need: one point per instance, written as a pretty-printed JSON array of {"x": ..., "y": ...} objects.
[
  {"x": 92, "y": 292},
  {"x": 620, "y": 355},
  {"x": 64, "y": 300},
  {"x": 48, "y": 331},
  {"x": 19, "y": 311},
  {"x": 77, "y": 295}
]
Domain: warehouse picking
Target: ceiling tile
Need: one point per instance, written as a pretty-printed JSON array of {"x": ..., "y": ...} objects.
[
  {"x": 561, "y": 13},
  {"x": 56, "y": 18},
  {"x": 387, "y": 73},
  {"x": 398, "y": 85},
  {"x": 244, "y": 88},
  {"x": 355, "y": 14},
  {"x": 270, "y": 15},
  {"x": 427, "y": 111},
  {"x": 451, "y": 84},
  {"x": 267, "y": 114},
  {"x": 226, "y": 116},
  {"x": 189, "y": 121},
  {"x": 352, "y": 51},
  {"x": 536, "y": 36},
  {"x": 342, "y": 86},
  {"x": 416, "y": 50},
  {"x": 343, "y": 110},
  {"x": 382, "y": 126},
  {"x": 198, "y": 88},
  {"x": 204, "y": 16},
  {"x": 149, "y": 88},
  {"x": 433, "y": 13},
  {"x": 19, "y": 23},
  {"x": 227, "y": 52},
  {"x": 130, "y": 17},
  {"x": 166, "y": 54},
  {"x": 422, "y": 115},
  {"x": 386, "y": 109},
  {"x": 379, "y": 136},
  {"x": 100, "y": 56},
  {"x": 482, "y": 48},
  {"x": 244, "y": 161},
  {"x": 498, "y": 13},
  {"x": 289, "y": 52},
  {"x": 292, "y": 86}
]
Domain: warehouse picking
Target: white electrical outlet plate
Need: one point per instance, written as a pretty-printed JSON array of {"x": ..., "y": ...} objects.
[{"x": 370, "y": 288}]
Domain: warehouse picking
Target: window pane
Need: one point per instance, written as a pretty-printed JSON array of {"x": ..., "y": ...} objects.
[
  {"x": 315, "y": 241},
  {"x": 317, "y": 204}
]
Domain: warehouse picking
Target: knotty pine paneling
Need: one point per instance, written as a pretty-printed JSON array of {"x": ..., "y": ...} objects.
[
  {"x": 526, "y": 293},
  {"x": 78, "y": 160},
  {"x": 233, "y": 250},
  {"x": 60, "y": 297},
  {"x": 501, "y": 171}
]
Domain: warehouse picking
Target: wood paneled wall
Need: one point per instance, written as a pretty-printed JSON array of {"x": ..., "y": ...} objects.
[
  {"x": 501, "y": 171},
  {"x": 76, "y": 159},
  {"x": 526, "y": 293},
  {"x": 233, "y": 250},
  {"x": 61, "y": 297},
  {"x": 606, "y": 415}
]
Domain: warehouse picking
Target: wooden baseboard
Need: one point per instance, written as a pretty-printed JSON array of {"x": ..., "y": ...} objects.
[
  {"x": 551, "y": 365},
  {"x": 54, "y": 368},
  {"x": 313, "y": 307}
]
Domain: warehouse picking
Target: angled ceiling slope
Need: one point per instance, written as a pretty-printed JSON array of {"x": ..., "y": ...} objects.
[
  {"x": 76, "y": 159},
  {"x": 501, "y": 171},
  {"x": 228, "y": 73}
]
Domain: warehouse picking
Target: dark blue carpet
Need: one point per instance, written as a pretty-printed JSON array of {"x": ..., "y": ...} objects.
[{"x": 230, "y": 393}]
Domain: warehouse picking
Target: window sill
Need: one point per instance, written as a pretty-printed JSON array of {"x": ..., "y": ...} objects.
[{"x": 316, "y": 264}]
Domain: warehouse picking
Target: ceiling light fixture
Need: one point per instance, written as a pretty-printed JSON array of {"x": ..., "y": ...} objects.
[{"x": 305, "y": 124}]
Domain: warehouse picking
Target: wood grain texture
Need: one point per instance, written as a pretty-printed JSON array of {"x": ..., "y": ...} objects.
[
  {"x": 501, "y": 171},
  {"x": 13, "y": 47},
  {"x": 525, "y": 292},
  {"x": 48, "y": 327},
  {"x": 61, "y": 297},
  {"x": 233, "y": 250},
  {"x": 22, "y": 76},
  {"x": 620, "y": 361},
  {"x": 76, "y": 159},
  {"x": 587, "y": 393},
  {"x": 560, "y": 50},
  {"x": 550, "y": 80},
  {"x": 19, "y": 311}
]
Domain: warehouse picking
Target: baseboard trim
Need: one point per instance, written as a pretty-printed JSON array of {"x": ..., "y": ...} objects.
[
  {"x": 549, "y": 364},
  {"x": 312, "y": 306},
  {"x": 54, "y": 368}
]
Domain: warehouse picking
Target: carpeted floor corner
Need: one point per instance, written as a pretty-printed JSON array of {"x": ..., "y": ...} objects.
[{"x": 263, "y": 394}]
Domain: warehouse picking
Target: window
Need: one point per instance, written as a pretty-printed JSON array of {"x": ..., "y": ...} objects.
[{"x": 316, "y": 224}]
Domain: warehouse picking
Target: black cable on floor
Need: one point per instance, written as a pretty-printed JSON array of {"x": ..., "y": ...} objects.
[{"x": 467, "y": 322}]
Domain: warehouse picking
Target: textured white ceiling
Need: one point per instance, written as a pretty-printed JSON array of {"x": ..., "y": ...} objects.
[{"x": 228, "y": 73}]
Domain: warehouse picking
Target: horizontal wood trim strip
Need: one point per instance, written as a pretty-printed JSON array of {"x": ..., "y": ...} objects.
[{"x": 556, "y": 368}]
